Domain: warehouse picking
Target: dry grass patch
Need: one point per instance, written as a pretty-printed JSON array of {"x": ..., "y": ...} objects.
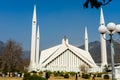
[
  {"x": 71, "y": 78},
  {"x": 10, "y": 78}
]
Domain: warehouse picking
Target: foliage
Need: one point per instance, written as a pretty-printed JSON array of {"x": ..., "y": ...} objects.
[
  {"x": 99, "y": 74},
  {"x": 106, "y": 76},
  {"x": 33, "y": 72},
  {"x": 47, "y": 74},
  {"x": 56, "y": 73},
  {"x": 61, "y": 73},
  {"x": 85, "y": 76},
  {"x": 96, "y": 3},
  {"x": 12, "y": 57},
  {"x": 40, "y": 73},
  {"x": 0, "y": 63},
  {"x": 27, "y": 76},
  {"x": 66, "y": 75},
  {"x": 72, "y": 73}
]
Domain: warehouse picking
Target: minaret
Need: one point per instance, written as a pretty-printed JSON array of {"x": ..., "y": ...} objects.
[
  {"x": 37, "y": 47},
  {"x": 33, "y": 41},
  {"x": 103, "y": 43},
  {"x": 86, "y": 39}
]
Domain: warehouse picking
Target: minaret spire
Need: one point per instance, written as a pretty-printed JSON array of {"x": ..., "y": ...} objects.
[
  {"x": 102, "y": 22},
  {"x": 86, "y": 39},
  {"x": 103, "y": 43},
  {"x": 32, "y": 66},
  {"x": 37, "y": 47},
  {"x": 34, "y": 14}
]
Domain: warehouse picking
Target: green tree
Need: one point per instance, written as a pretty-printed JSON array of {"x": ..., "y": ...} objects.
[
  {"x": 12, "y": 57},
  {"x": 96, "y": 3}
]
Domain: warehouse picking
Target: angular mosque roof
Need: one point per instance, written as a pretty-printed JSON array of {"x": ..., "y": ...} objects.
[{"x": 50, "y": 54}]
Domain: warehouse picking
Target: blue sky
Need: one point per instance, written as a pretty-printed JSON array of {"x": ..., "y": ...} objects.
[{"x": 56, "y": 18}]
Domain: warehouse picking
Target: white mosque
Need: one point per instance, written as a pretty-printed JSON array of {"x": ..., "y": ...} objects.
[{"x": 63, "y": 57}]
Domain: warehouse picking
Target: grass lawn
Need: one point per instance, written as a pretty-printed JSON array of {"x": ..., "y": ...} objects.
[{"x": 51, "y": 78}]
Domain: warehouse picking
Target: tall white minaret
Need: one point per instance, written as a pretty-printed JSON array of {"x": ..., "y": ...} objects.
[
  {"x": 37, "y": 47},
  {"x": 86, "y": 39},
  {"x": 103, "y": 43},
  {"x": 33, "y": 41}
]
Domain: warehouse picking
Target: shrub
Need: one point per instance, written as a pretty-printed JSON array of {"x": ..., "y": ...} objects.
[
  {"x": 33, "y": 77},
  {"x": 47, "y": 74},
  {"x": 61, "y": 73},
  {"x": 85, "y": 76},
  {"x": 106, "y": 76},
  {"x": 33, "y": 72},
  {"x": 66, "y": 75},
  {"x": 72, "y": 73},
  {"x": 99, "y": 74},
  {"x": 26, "y": 75},
  {"x": 40, "y": 73},
  {"x": 56, "y": 73}
]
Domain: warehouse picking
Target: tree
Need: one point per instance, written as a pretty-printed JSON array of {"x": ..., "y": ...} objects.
[
  {"x": 0, "y": 62},
  {"x": 12, "y": 57},
  {"x": 95, "y": 3}
]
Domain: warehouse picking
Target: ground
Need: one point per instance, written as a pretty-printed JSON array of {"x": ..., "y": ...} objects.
[
  {"x": 8, "y": 78},
  {"x": 52, "y": 78}
]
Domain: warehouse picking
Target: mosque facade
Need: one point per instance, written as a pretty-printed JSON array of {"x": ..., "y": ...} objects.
[{"x": 63, "y": 57}]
